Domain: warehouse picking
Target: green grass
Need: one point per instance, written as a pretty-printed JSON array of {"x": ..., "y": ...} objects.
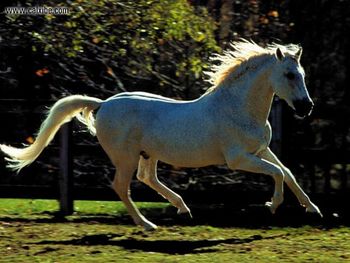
[
  {"x": 102, "y": 232},
  {"x": 30, "y": 208}
]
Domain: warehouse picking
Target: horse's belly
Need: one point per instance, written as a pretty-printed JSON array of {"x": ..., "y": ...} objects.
[
  {"x": 192, "y": 162},
  {"x": 183, "y": 145},
  {"x": 188, "y": 155}
]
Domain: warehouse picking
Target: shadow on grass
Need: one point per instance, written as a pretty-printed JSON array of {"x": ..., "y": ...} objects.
[{"x": 160, "y": 246}]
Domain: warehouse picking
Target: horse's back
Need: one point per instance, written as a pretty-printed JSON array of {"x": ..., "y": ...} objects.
[
  {"x": 123, "y": 120},
  {"x": 135, "y": 109},
  {"x": 143, "y": 96},
  {"x": 121, "y": 117}
]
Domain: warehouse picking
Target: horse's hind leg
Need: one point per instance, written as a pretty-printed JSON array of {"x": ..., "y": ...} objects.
[
  {"x": 121, "y": 184},
  {"x": 147, "y": 173},
  {"x": 291, "y": 182}
]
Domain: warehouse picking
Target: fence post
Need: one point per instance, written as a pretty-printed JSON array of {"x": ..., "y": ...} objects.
[{"x": 66, "y": 170}]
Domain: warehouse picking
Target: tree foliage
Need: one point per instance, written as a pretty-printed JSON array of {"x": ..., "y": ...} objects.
[{"x": 109, "y": 46}]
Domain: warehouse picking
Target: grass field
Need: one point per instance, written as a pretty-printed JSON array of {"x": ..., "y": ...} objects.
[{"x": 102, "y": 232}]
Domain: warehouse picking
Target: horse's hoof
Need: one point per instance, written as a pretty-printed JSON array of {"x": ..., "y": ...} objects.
[
  {"x": 184, "y": 210},
  {"x": 149, "y": 226},
  {"x": 314, "y": 209},
  {"x": 271, "y": 207},
  {"x": 185, "y": 214}
]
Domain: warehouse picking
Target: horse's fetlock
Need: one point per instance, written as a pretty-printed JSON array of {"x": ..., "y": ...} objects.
[
  {"x": 178, "y": 202},
  {"x": 278, "y": 199}
]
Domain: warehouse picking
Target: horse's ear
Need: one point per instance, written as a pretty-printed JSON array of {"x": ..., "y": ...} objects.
[
  {"x": 298, "y": 54},
  {"x": 279, "y": 54}
]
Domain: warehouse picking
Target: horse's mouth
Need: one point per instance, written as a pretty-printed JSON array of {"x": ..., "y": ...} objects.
[{"x": 303, "y": 107}]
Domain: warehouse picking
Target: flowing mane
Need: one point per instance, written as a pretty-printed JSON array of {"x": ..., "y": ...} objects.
[{"x": 241, "y": 53}]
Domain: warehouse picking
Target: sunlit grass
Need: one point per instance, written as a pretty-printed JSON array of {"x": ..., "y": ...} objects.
[{"x": 29, "y": 207}]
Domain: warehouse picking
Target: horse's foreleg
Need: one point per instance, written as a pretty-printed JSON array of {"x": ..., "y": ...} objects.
[
  {"x": 291, "y": 182},
  {"x": 147, "y": 173},
  {"x": 255, "y": 164},
  {"x": 121, "y": 184}
]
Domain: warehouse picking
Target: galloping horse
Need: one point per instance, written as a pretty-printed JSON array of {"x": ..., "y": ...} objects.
[{"x": 226, "y": 125}]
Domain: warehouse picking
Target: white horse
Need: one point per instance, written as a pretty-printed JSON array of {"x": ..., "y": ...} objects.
[{"x": 227, "y": 125}]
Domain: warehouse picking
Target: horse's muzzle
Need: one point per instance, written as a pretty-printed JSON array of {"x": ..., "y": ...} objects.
[{"x": 303, "y": 107}]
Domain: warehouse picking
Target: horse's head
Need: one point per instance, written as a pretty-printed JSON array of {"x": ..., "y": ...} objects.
[{"x": 287, "y": 81}]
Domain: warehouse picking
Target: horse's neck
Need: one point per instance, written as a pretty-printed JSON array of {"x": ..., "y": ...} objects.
[
  {"x": 259, "y": 98},
  {"x": 251, "y": 94}
]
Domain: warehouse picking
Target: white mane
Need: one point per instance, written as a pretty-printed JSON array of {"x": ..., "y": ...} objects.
[{"x": 241, "y": 53}]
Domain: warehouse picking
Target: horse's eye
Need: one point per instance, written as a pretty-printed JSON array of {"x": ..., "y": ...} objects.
[{"x": 290, "y": 75}]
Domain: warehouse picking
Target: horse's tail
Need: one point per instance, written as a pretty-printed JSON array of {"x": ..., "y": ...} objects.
[{"x": 61, "y": 112}]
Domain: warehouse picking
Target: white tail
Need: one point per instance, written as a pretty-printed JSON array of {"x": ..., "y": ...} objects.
[{"x": 61, "y": 112}]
